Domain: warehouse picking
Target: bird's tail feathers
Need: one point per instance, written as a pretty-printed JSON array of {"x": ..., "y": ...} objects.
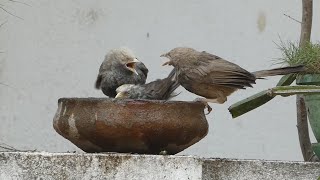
[
  {"x": 174, "y": 94},
  {"x": 173, "y": 84},
  {"x": 279, "y": 71}
]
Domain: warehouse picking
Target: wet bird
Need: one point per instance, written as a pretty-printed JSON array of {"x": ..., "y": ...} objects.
[
  {"x": 160, "y": 89},
  {"x": 212, "y": 77},
  {"x": 119, "y": 67}
]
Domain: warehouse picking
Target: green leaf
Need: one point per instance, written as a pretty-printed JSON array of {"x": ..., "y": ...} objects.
[
  {"x": 258, "y": 99},
  {"x": 287, "y": 80},
  {"x": 263, "y": 97},
  {"x": 293, "y": 90},
  {"x": 249, "y": 103}
]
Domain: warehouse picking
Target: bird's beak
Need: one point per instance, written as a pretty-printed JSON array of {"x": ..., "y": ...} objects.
[
  {"x": 135, "y": 60},
  {"x": 131, "y": 65},
  {"x": 120, "y": 95},
  {"x": 168, "y": 62},
  {"x": 164, "y": 55}
]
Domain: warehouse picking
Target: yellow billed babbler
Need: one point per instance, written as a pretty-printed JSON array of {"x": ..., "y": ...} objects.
[
  {"x": 119, "y": 67},
  {"x": 212, "y": 77}
]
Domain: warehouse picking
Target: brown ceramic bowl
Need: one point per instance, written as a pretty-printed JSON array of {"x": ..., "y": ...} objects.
[{"x": 130, "y": 126}]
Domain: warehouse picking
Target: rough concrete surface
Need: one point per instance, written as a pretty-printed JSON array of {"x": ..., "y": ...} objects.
[
  {"x": 97, "y": 166},
  {"x": 257, "y": 169},
  {"x": 43, "y": 165}
]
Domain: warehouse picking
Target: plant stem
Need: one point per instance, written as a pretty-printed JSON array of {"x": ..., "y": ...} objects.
[{"x": 302, "y": 120}]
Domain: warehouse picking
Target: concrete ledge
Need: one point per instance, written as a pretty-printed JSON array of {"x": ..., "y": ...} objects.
[
  {"x": 257, "y": 169},
  {"x": 42, "y": 165}
]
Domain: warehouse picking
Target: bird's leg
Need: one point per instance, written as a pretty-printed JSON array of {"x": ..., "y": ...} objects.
[{"x": 220, "y": 100}]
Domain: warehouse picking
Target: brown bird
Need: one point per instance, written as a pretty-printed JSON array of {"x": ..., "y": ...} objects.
[
  {"x": 119, "y": 67},
  {"x": 160, "y": 89},
  {"x": 212, "y": 77}
]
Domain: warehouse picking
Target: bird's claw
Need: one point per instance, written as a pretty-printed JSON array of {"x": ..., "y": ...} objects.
[
  {"x": 209, "y": 108},
  {"x": 206, "y": 105}
]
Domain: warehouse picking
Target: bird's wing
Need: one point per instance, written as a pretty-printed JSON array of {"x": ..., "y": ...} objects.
[
  {"x": 212, "y": 69},
  {"x": 97, "y": 84},
  {"x": 155, "y": 89},
  {"x": 162, "y": 89},
  {"x": 102, "y": 70}
]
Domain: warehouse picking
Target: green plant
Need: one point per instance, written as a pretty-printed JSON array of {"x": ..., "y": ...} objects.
[
  {"x": 263, "y": 97},
  {"x": 308, "y": 55}
]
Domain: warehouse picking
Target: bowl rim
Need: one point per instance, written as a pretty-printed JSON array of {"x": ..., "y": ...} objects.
[{"x": 106, "y": 99}]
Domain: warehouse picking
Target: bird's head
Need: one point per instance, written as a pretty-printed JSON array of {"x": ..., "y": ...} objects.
[
  {"x": 177, "y": 55},
  {"x": 126, "y": 57},
  {"x": 123, "y": 91}
]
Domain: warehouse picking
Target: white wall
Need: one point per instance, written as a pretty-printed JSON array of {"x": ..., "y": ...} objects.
[{"x": 56, "y": 50}]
